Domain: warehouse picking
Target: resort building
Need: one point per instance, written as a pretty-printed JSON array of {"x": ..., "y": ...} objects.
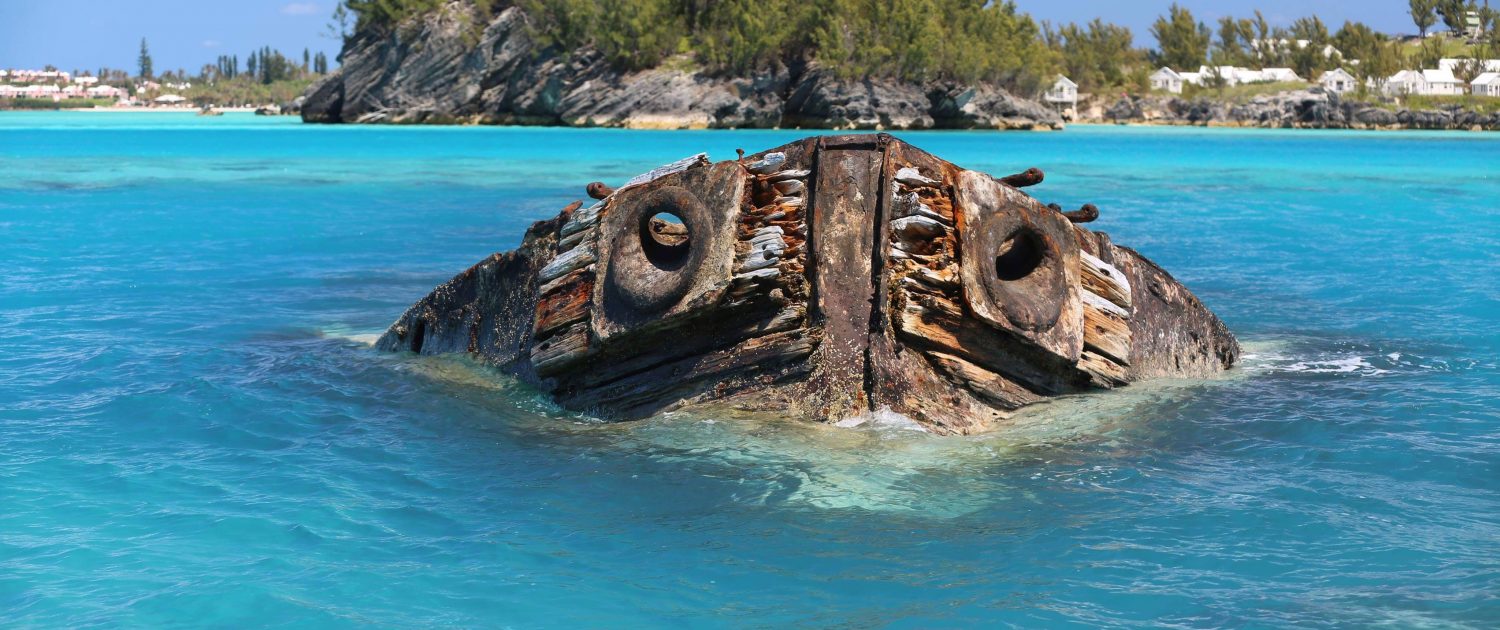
[
  {"x": 1338, "y": 81},
  {"x": 1063, "y": 92},
  {"x": 1487, "y": 84},
  {"x": 1167, "y": 79}
]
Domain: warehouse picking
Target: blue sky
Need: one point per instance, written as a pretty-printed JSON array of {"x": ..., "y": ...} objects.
[{"x": 87, "y": 34}]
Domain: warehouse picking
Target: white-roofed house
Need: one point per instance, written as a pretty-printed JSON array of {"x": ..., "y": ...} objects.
[
  {"x": 1280, "y": 75},
  {"x": 105, "y": 91},
  {"x": 1441, "y": 83},
  {"x": 1063, "y": 92},
  {"x": 169, "y": 99},
  {"x": 1405, "y": 82},
  {"x": 1487, "y": 84},
  {"x": 1338, "y": 81},
  {"x": 1167, "y": 79}
]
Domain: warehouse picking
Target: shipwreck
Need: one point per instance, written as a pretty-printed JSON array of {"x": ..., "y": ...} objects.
[{"x": 824, "y": 279}]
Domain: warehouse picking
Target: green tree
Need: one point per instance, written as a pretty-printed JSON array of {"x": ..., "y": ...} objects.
[
  {"x": 1182, "y": 42},
  {"x": 143, "y": 62},
  {"x": 1270, "y": 43},
  {"x": 1098, "y": 55},
  {"x": 1235, "y": 46},
  {"x": 1423, "y": 14},
  {"x": 1429, "y": 53},
  {"x": 1311, "y": 58},
  {"x": 1377, "y": 58},
  {"x": 1454, "y": 13}
]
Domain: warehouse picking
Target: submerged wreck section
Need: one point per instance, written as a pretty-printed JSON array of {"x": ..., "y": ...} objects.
[{"x": 823, "y": 279}]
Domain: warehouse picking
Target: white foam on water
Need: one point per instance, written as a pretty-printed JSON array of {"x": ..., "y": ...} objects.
[
  {"x": 362, "y": 337},
  {"x": 1279, "y": 356}
]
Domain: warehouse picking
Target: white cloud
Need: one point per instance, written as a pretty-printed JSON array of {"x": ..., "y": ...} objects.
[
  {"x": 299, "y": 8},
  {"x": 210, "y": 43}
]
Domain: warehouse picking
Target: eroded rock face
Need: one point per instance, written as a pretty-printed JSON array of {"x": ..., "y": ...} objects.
[
  {"x": 823, "y": 279},
  {"x": 1313, "y": 108},
  {"x": 438, "y": 69}
]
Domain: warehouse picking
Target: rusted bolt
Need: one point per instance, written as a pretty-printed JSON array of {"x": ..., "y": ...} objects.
[
  {"x": 598, "y": 190},
  {"x": 1031, "y": 177},
  {"x": 1088, "y": 213}
]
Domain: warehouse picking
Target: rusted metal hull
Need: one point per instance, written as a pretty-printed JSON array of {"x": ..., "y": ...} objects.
[{"x": 823, "y": 279}]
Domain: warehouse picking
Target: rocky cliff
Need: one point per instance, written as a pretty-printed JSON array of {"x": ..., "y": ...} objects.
[
  {"x": 443, "y": 68},
  {"x": 1314, "y": 108}
]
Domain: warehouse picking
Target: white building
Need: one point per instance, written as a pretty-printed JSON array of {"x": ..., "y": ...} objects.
[
  {"x": 1451, "y": 65},
  {"x": 1441, "y": 83},
  {"x": 1167, "y": 79},
  {"x": 1280, "y": 75},
  {"x": 1405, "y": 82},
  {"x": 1338, "y": 81},
  {"x": 1487, "y": 84},
  {"x": 105, "y": 91},
  {"x": 1064, "y": 92}
]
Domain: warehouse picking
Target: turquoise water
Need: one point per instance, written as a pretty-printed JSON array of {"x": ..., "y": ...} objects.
[{"x": 193, "y": 430}]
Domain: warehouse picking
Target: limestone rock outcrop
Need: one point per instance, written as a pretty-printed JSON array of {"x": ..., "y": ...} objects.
[{"x": 440, "y": 68}]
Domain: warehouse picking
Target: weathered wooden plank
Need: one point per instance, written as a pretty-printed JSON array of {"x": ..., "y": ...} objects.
[
  {"x": 991, "y": 386},
  {"x": 581, "y": 220},
  {"x": 790, "y": 187},
  {"x": 1102, "y": 371},
  {"x": 913, "y": 178},
  {"x": 666, "y": 169},
  {"x": 842, "y": 246},
  {"x": 572, "y": 240},
  {"x": 1104, "y": 280},
  {"x": 664, "y": 384},
  {"x": 1106, "y": 328},
  {"x": 566, "y": 304},
  {"x": 781, "y": 176},
  {"x": 768, "y": 163},
  {"x": 940, "y": 324},
  {"x": 559, "y": 351},
  {"x": 566, "y": 263}
]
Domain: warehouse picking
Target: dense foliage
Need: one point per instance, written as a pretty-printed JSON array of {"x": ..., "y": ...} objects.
[
  {"x": 1099, "y": 55},
  {"x": 921, "y": 40},
  {"x": 907, "y": 39}
]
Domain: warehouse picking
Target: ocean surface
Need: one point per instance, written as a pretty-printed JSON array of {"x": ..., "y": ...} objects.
[{"x": 194, "y": 430}]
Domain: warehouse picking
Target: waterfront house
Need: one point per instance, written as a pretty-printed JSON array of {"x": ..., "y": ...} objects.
[
  {"x": 1487, "y": 84},
  {"x": 1338, "y": 81},
  {"x": 1441, "y": 83},
  {"x": 1063, "y": 92},
  {"x": 168, "y": 99},
  {"x": 1167, "y": 79},
  {"x": 1405, "y": 82}
]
